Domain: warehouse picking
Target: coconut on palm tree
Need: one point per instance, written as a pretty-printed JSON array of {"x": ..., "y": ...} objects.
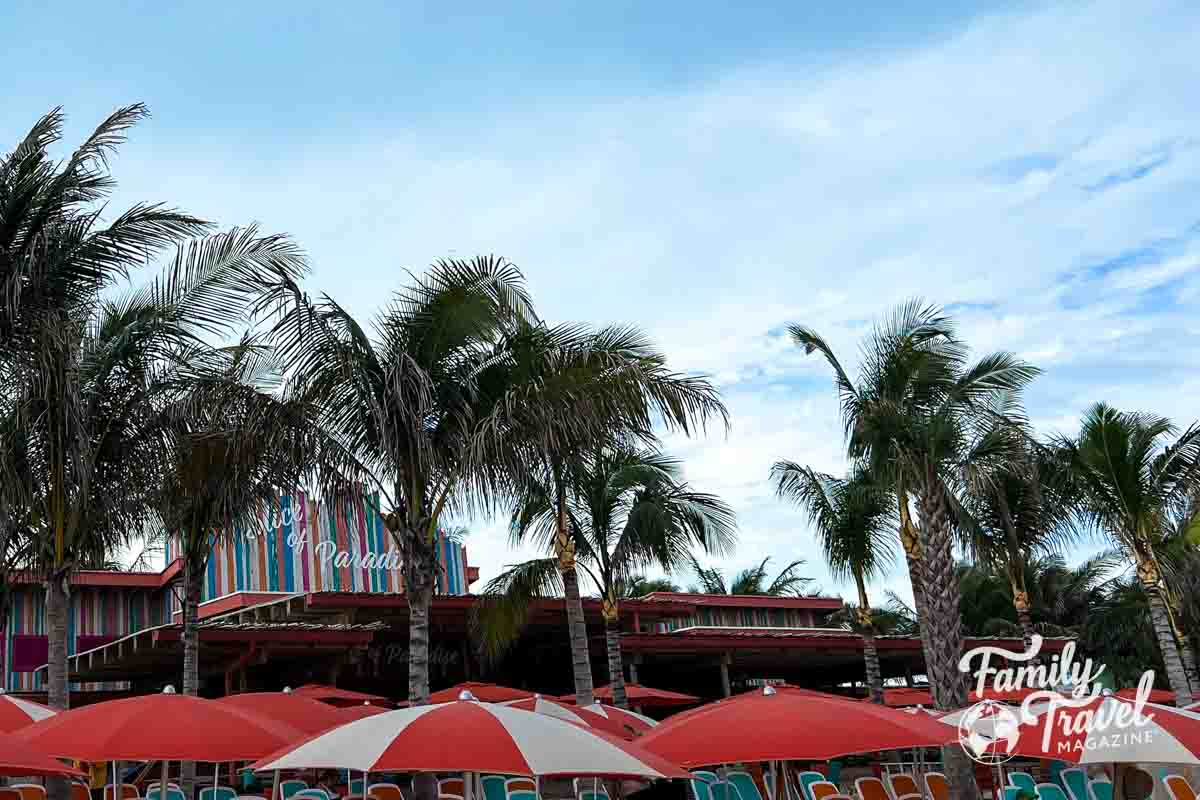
[
  {"x": 853, "y": 521},
  {"x": 626, "y": 510},
  {"x": 1135, "y": 475}
]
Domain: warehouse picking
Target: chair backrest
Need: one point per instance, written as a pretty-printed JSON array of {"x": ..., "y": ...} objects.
[
  {"x": 218, "y": 793},
  {"x": 125, "y": 791},
  {"x": 701, "y": 780},
  {"x": 746, "y": 787},
  {"x": 451, "y": 787},
  {"x": 355, "y": 786},
  {"x": 1022, "y": 780},
  {"x": 833, "y": 772},
  {"x": 80, "y": 791},
  {"x": 30, "y": 791},
  {"x": 724, "y": 790},
  {"x": 1179, "y": 787},
  {"x": 1050, "y": 791},
  {"x": 173, "y": 793},
  {"x": 1076, "y": 781},
  {"x": 903, "y": 784},
  {"x": 936, "y": 786},
  {"x": 7, "y": 793},
  {"x": 520, "y": 785},
  {"x": 822, "y": 790},
  {"x": 250, "y": 797},
  {"x": 871, "y": 788},
  {"x": 390, "y": 791},
  {"x": 493, "y": 788},
  {"x": 1100, "y": 790},
  {"x": 290, "y": 787},
  {"x": 1011, "y": 792},
  {"x": 523, "y": 794},
  {"x": 312, "y": 794},
  {"x": 806, "y": 779}
]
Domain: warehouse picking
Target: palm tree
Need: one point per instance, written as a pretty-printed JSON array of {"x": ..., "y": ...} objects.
[
  {"x": 925, "y": 418},
  {"x": 230, "y": 444},
  {"x": 853, "y": 522},
  {"x": 752, "y": 580},
  {"x": 1019, "y": 513},
  {"x": 1134, "y": 483},
  {"x": 636, "y": 586},
  {"x": 626, "y": 510}
]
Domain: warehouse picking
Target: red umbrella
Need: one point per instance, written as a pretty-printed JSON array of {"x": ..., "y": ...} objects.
[
  {"x": 18, "y": 758},
  {"x": 644, "y": 696},
  {"x": 306, "y": 715},
  {"x": 349, "y": 713},
  {"x": 159, "y": 727},
  {"x": 633, "y": 723},
  {"x": 487, "y": 692},
  {"x": 469, "y": 736},
  {"x": 336, "y": 696},
  {"x": 786, "y": 726},
  {"x": 579, "y": 716},
  {"x": 16, "y": 713}
]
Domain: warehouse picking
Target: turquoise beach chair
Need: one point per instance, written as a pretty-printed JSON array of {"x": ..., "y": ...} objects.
[
  {"x": 835, "y": 773},
  {"x": 1050, "y": 791},
  {"x": 1076, "y": 782},
  {"x": 218, "y": 793},
  {"x": 700, "y": 783},
  {"x": 724, "y": 790},
  {"x": 1011, "y": 792},
  {"x": 1100, "y": 790},
  {"x": 807, "y": 779},
  {"x": 311, "y": 794},
  {"x": 493, "y": 787},
  {"x": 522, "y": 794},
  {"x": 173, "y": 793},
  {"x": 1023, "y": 780},
  {"x": 289, "y": 788},
  {"x": 747, "y": 789}
]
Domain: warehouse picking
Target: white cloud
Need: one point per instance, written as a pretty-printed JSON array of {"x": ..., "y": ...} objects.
[{"x": 715, "y": 216}]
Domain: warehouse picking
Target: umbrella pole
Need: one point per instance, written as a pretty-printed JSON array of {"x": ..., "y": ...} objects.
[
  {"x": 114, "y": 796},
  {"x": 162, "y": 783},
  {"x": 275, "y": 787}
]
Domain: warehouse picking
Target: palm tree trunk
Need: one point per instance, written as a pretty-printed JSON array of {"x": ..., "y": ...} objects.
[
  {"x": 58, "y": 607},
  {"x": 870, "y": 652},
  {"x": 1160, "y": 617},
  {"x": 420, "y": 565},
  {"x": 1021, "y": 604},
  {"x": 612, "y": 641},
  {"x": 193, "y": 576},
  {"x": 910, "y": 540},
  {"x": 581, "y": 659},
  {"x": 948, "y": 683}
]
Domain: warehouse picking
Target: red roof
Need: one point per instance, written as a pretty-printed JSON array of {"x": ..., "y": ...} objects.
[{"x": 746, "y": 600}]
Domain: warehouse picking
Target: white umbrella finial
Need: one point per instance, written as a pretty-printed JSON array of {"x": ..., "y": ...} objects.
[
  {"x": 768, "y": 691},
  {"x": 287, "y": 690},
  {"x": 168, "y": 689},
  {"x": 465, "y": 694}
]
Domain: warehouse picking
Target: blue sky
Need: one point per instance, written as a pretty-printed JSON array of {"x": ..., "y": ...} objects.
[{"x": 710, "y": 174}]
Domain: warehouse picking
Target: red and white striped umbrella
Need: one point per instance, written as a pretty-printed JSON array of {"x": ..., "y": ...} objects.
[
  {"x": 1106, "y": 729},
  {"x": 469, "y": 736},
  {"x": 579, "y": 716},
  {"x": 636, "y": 724},
  {"x": 16, "y": 713}
]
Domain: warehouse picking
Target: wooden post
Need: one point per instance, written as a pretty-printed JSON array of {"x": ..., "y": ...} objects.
[{"x": 725, "y": 687}]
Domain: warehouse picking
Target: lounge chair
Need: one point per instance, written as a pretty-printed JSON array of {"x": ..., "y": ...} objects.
[
  {"x": 1179, "y": 788},
  {"x": 7, "y": 793},
  {"x": 290, "y": 787},
  {"x": 452, "y": 789},
  {"x": 311, "y": 794},
  {"x": 723, "y": 790},
  {"x": 1100, "y": 789},
  {"x": 30, "y": 791},
  {"x": 823, "y": 790},
  {"x": 173, "y": 793},
  {"x": 1076, "y": 782},
  {"x": 493, "y": 788},
  {"x": 218, "y": 793},
  {"x": 523, "y": 794},
  {"x": 1050, "y": 791},
  {"x": 520, "y": 785},
  {"x": 1022, "y": 780},
  {"x": 746, "y": 787},
  {"x": 589, "y": 789},
  {"x": 700, "y": 783},
  {"x": 871, "y": 788},
  {"x": 805, "y": 780},
  {"x": 1010, "y": 792},
  {"x": 903, "y": 785},
  {"x": 125, "y": 791},
  {"x": 936, "y": 786},
  {"x": 390, "y": 791}
]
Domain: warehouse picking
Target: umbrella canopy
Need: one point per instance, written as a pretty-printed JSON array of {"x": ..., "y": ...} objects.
[
  {"x": 642, "y": 696},
  {"x": 1106, "y": 729},
  {"x": 157, "y": 727},
  {"x": 306, "y": 715},
  {"x": 487, "y": 692},
  {"x": 19, "y": 758},
  {"x": 469, "y": 736},
  {"x": 349, "y": 713},
  {"x": 336, "y": 696},
  {"x": 784, "y": 726},
  {"x": 16, "y": 713},
  {"x": 929, "y": 712},
  {"x": 634, "y": 724},
  {"x": 579, "y": 716}
]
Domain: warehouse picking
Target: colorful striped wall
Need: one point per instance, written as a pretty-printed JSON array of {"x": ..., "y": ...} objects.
[
  {"x": 97, "y": 615},
  {"x": 303, "y": 545}
]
